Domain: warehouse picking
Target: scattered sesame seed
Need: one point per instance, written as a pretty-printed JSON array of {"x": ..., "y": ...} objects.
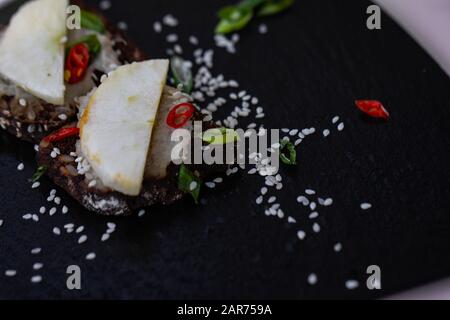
[
  {"x": 38, "y": 266},
  {"x": 312, "y": 279},
  {"x": 62, "y": 117},
  {"x": 291, "y": 220},
  {"x": 10, "y": 273},
  {"x": 36, "y": 185},
  {"x": 141, "y": 213},
  {"x": 210, "y": 185},
  {"x": 316, "y": 228},
  {"x": 338, "y": 247},
  {"x": 170, "y": 20},
  {"x": 326, "y": 133},
  {"x": 351, "y": 284},
  {"x": 335, "y": 120},
  {"x": 262, "y": 28},
  {"x": 105, "y": 4},
  {"x": 52, "y": 211},
  {"x": 1, "y": 223},
  {"x": 42, "y": 210},
  {"x": 79, "y": 230},
  {"x": 366, "y": 206},
  {"x": 310, "y": 192},
  {"x": 20, "y": 167},
  {"x": 157, "y": 27},
  {"x": 301, "y": 235},
  {"x": 122, "y": 25},
  {"x": 259, "y": 200},
  {"x": 36, "y": 279},
  {"x": 105, "y": 237},
  {"x": 341, "y": 126},
  {"x": 328, "y": 202},
  {"x": 65, "y": 210},
  {"x": 57, "y": 231},
  {"x": 23, "y": 102},
  {"x": 82, "y": 239},
  {"x": 91, "y": 256},
  {"x": 314, "y": 215},
  {"x": 36, "y": 251}
]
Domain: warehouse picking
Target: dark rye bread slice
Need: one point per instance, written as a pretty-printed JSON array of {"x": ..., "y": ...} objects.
[
  {"x": 62, "y": 170},
  {"x": 38, "y": 119}
]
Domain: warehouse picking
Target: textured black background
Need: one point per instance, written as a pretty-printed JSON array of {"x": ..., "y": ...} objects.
[{"x": 314, "y": 62}]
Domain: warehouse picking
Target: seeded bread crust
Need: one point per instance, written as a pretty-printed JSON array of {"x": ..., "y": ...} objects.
[
  {"x": 108, "y": 202},
  {"x": 45, "y": 115}
]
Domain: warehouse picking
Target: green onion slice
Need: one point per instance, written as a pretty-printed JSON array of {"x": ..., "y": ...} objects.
[
  {"x": 288, "y": 154},
  {"x": 182, "y": 74},
  {"x": 91, "y": 21},
  {"x": 274, "y": 6},
  {"x": 39, "y": 173},
  {"x": 189, "y": 183}
]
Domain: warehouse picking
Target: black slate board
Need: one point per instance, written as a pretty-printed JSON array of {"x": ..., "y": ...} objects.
[{"x": 314, "y": 62}]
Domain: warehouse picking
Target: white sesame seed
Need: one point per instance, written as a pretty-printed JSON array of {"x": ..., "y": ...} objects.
[
  {"x": 316, "y": 228},
  {"x": 1, "y": 223},
  {"x": 313, "y": 206},
  {"x": 351, "y": 284},
  {"x": 193, "y": 185},
  {"x": 57, "y": 200},
  {"x": 193, "y": 40},
  {"x": 172, "y": 38},
  {"x": 341, "y": 126},
  {"x": 338, "y": 247},
  {"x": 79, "y": 230},
  {"x": 23, "y": 102},
  {"x": 52, "y": 211},
  {"x": 105, "y": 4},
  {"x": 262, "y": 28},
  {"x": 105, "y": 237},
  {"x": 310, "y": 192},
  {"x": 36, "y": 251},
  {"x": 259, "y": 200},
  {"x": 210, "y": 185},
  {"x": 36, "y": 279},
  {"x": 328, "y": 202},
  {"x": 10, "y": 273},
  {"x": 326, "y": 133},
  {"x": 62, "y": 117},
  {"x": 312, "y": 279},
  {"x": 170, "y": 20},
  {"x": 301, "y": 235},
  {"x": 122, "y": 25},
  {"x": 57, "y": 231},
  {"x": 141, "y": 213},
  {"x": 291, "y": 220},
  {"x": 36, "y": 185},
  {"x": 314, "y": 215},
  {"x": 42, "y": 210},
  {"x": 35, "y": 218},
  {"x": 20, "y": 167},
  {"x": 335, "y": 120},
  {"x": 92, "y": 184},
  {"x": 272, "y": 200},
  {"x": 38, "y": 266},
  {"x": 91, "y": 256},
  {"x": 218, "y": 180},
  {"x": 366, "y": 206},
  {"x": 264, "y": 191},
  {"x": 157, "y": 27},
  {"x": 27, "y": 217},
  {"x": 65, "y": 210},
  {"x": 82, "y": 239},
  {"x": 253, "y": 171}
]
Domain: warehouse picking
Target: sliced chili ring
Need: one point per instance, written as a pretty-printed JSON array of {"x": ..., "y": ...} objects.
[
  {"x": 77, "y": 63},
  {"x": 373, "y": 108},
  {"x": 180, "y": 115},
  {"x": 62, "y": 134}
]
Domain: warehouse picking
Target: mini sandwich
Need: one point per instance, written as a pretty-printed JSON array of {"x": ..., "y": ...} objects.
[
  {"x": 118, "y": 158},
  {"x": 45, "y": 68}
]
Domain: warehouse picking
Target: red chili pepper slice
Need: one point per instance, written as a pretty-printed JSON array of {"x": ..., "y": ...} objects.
[
  {"x": 373, "y": 108},
  {"x": 62, "y": 134},
  {"x": 180, "y": 115},
  {"x": 77, "y": 63}
]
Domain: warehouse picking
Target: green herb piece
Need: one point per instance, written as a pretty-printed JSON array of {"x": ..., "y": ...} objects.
[
  {"x": 39, "y": 173},
  {"x": 236, "y": 20},
  {"x": 236, "y": 17},
  {"x": 288, "y": 154},
  {"x": 220, "y": 136},
  {"x": 189, "y": 183},
  {"x": 273, "y": 7},
  {"x": 92, "y": 42},
  {"x": 91, "y": 21},
  {"x": 182, "y": 74}
]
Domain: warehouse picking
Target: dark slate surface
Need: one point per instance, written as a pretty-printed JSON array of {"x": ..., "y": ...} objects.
[{"x": 314, "y": 62}]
